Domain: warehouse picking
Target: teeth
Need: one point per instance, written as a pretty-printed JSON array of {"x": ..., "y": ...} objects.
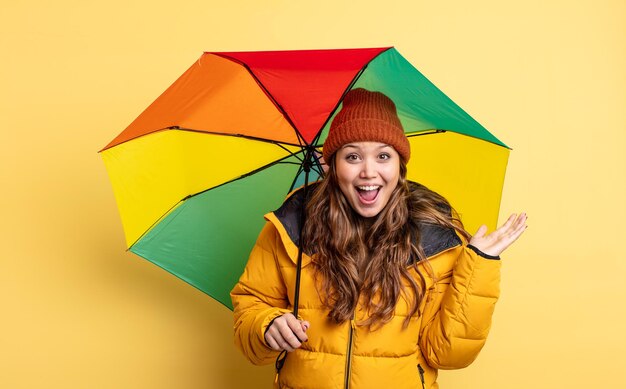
[{"x": 368, "y": 187}]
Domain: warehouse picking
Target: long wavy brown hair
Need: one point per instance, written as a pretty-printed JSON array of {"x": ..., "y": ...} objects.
[{"x": 360, "y": 258}]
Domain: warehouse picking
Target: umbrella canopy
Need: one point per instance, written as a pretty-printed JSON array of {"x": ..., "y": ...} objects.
[{"x": 195, "y": 172}]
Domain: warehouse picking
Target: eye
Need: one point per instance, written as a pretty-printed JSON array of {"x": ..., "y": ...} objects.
[
  {"x": 384, "y": 156},
  {"x": 352, "y": 157}
]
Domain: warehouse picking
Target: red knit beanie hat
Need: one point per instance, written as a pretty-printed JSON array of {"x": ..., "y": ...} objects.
[{"x": 367, "y": 117}]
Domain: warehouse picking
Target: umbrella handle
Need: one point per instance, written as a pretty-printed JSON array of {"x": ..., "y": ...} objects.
[{"x": 306, "y": 166}]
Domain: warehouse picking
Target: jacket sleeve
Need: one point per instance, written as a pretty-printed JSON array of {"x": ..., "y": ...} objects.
[
  {"x": 458, "y": 311},
  {"x": 258, "y": 298}
]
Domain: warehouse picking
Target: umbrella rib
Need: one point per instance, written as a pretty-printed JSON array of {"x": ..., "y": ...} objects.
[
  {"x": 238, "y": 136},
  {"x": 318, "y": 169},
  {"x": 159, "y": 219},
  {"x": 177, "y": 128},
  {"x": 295, "y": 179},
  {"x": 278, "y": 161},
  {"x": 289, "y": 151},
  {"x": 429, "y": 132},
  {"x": 269, "y": 95},
  {"x": 315, "y": 166}
]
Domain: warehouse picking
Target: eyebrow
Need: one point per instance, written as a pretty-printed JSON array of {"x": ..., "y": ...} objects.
[{"x": 356, "y": 147}]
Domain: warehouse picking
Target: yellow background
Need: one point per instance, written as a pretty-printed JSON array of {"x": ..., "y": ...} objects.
[{"x": 77, "y": 311}]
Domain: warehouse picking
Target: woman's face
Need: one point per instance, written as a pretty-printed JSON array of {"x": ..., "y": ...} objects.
[{"x": 367, "y": 173}]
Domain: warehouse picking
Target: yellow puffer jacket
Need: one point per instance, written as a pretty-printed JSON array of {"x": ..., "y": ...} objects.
[{"x": 450, "y": 330}]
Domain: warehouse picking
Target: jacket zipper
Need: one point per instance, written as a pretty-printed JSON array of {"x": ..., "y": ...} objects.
[
  {"x": 349, "y": 353},
  {"x": 421, "y": 371}
]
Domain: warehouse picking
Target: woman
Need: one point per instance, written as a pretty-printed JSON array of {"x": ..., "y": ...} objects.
[{"x": 392, "y": 287}]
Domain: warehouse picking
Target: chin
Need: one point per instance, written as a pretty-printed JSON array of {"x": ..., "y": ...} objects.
[{"x": 367, "y": 213}]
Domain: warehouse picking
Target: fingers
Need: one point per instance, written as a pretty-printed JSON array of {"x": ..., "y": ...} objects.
[
  {"x": 519, "y": 227},
  {"x": 512, "y": 228},
  {"x": 269, "y": 339},
  {"x": 286, "y": 333},
  {"x": 481, "y": 231},
  {"x": 508, "y": 225},
  {"x": 294, "y": 333}
]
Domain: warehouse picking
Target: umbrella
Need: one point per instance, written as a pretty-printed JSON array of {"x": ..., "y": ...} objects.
[{"x": 224, "y": 144}]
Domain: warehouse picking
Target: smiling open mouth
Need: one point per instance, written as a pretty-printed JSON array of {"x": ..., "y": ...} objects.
[{"x": 368, "y": 193}]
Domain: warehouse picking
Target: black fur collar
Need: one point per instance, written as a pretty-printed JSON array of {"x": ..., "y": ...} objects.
[{"x": 435, "y": 238}]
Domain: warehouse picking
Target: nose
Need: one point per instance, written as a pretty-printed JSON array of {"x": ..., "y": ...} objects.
[{"x": 368, "y": 168}]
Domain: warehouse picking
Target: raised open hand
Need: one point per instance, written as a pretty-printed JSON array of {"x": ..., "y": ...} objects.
[{"x": 496, "y": 242}]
